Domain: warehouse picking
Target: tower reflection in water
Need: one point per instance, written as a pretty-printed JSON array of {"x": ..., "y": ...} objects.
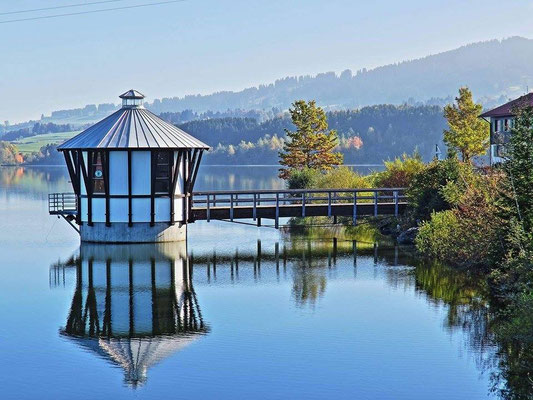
[{"x": 134, "y": 305}]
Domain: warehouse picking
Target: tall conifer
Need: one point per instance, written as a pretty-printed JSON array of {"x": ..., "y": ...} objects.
[{"x": 311, "y": 145}]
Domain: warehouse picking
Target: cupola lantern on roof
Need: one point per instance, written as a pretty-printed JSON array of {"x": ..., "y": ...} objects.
[
  {"x": 132, "y": 98},
  {"x": 133, "y": 175}
]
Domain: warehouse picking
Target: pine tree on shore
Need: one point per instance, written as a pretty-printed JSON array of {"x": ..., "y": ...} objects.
[{"x": 311, "y": 145}]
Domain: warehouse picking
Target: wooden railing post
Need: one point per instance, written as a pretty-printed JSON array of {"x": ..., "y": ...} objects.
[
  {"x": 395, "y": 194},
  {"x": 329, "y": 204},
  {"x": 376, "y": 203},
  {"x": 231, "y": 207},
  {"x": 354, "y": 217},
  {"x": 254, "y": 212},
  {"x": 303, "y": 204},
  {"x": 208, "y": 208},
  {"x": 277, "y": 211}
]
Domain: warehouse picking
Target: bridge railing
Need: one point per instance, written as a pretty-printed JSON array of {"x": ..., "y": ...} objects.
[
  {"x": 62, "y": 203},
  {"x": 297, "y": 197}
]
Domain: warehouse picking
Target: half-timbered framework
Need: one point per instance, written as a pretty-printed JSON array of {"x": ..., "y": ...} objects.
[{"x": 133, "y": 170}]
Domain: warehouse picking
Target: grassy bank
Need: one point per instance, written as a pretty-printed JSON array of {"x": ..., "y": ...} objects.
[{"x": 33, "y": 144}]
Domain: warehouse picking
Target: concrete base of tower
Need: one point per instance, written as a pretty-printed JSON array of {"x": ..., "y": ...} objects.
[{"x": 139, "y": 232}]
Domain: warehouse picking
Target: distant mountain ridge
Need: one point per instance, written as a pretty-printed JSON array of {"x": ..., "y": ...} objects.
[
  {"x": 494, "y": 70},
  {"x": 491, "y": 69}
]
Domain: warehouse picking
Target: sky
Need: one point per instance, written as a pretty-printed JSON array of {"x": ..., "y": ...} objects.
[{"x": 203, "y": 46}]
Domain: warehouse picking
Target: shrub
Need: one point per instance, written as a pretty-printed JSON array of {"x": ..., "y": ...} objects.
[
  {"x": 303, "y": 179},
  {"x": 343, "y": 178},
  {"x": 426, "y": 191},
  {"x": 399, "y": 172},
  {"x": 436, "y": 237},
  {"x": 473, "y": 232}
]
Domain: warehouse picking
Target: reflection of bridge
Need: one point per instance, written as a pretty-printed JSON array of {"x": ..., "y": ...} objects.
[
  {"x": 272, "y": 204},
  {"x": 135, "y": 305}
]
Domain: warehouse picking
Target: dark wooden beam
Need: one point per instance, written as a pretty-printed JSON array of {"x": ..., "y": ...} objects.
[
  {"x": 130, "y": 189},
  {"x": 172, "y": 191},
  {"x": 191, "y": 164},
  {"x": 84, "y": 171},
  {"x": 314, "y": 210},
  {"x": 105, "y": 166},
  {"x": 78, "y": 174},
  {"x": 192, "y": 179},
  {"x": 153, "y": 163},
  {"x": 195, "y": 169},
  {"x": 71, "y": 172},
  {"x": 87, "y": 172},
  {"x": 186, "y": 158},
  {"x": 90, "y": 157}
]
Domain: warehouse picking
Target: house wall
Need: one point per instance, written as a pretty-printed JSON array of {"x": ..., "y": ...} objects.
[
  {"x": 141, "y": 185},
  {"x": 500, "y": 129}
]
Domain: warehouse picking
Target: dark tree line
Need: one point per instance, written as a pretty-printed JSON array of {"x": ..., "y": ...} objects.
[
  {"x": 369, "y": 135},
  {"x": 188, "y": 115}
]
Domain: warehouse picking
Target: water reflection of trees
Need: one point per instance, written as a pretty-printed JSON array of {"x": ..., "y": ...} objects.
[
  {"x": 38, "y": 181},
  {"x": 502, "y": 340},
  {"x": 464, "y": 293}
]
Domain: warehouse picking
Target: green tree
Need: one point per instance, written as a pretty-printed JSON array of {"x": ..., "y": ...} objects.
[
  {"x": 311, "y": 145},
  {"x": 519, "y": 167},
  {"x": 467, "y": 133}
]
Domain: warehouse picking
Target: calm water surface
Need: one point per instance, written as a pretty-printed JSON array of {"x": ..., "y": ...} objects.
[{"x": 238, "y": 312}]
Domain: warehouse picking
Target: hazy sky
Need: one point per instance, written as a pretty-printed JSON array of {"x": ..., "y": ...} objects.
[{"x": 201, "y": 46}]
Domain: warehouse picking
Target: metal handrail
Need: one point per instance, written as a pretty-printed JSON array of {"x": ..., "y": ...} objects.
[
  {"x": 301, "y": 197},
  {"x": 274, "y": 191},
  {"x": 290, "y": 196},
  {"x": 62, "y": 203}
]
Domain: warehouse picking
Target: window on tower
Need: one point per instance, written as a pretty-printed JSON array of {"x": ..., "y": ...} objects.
[
  {"x": 163, "y": 171},
  {"x": 98, "y": 173}
]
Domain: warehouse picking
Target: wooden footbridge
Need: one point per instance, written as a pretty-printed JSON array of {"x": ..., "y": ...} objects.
[
  {"x": 273, "y": 204},
  {"x": 276, "y": 204}
]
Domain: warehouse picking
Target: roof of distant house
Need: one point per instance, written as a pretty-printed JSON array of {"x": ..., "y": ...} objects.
[{"x": 507, "y": 109}]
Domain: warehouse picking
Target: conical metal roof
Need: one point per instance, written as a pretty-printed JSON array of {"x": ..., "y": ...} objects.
[{"x": 132, "y": 127}]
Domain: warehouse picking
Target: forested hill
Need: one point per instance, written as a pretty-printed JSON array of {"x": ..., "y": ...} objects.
[
  {"x": 494, "y": 70},
  {"x": 491, "y": 69},
  {"x": 369, "y": 135}
]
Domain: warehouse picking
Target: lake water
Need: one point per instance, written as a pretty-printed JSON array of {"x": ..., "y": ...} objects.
[{"x": 237, "y": 312}]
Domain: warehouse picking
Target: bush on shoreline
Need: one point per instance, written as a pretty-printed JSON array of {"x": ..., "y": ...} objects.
[{"x": 399, "y": 172}]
